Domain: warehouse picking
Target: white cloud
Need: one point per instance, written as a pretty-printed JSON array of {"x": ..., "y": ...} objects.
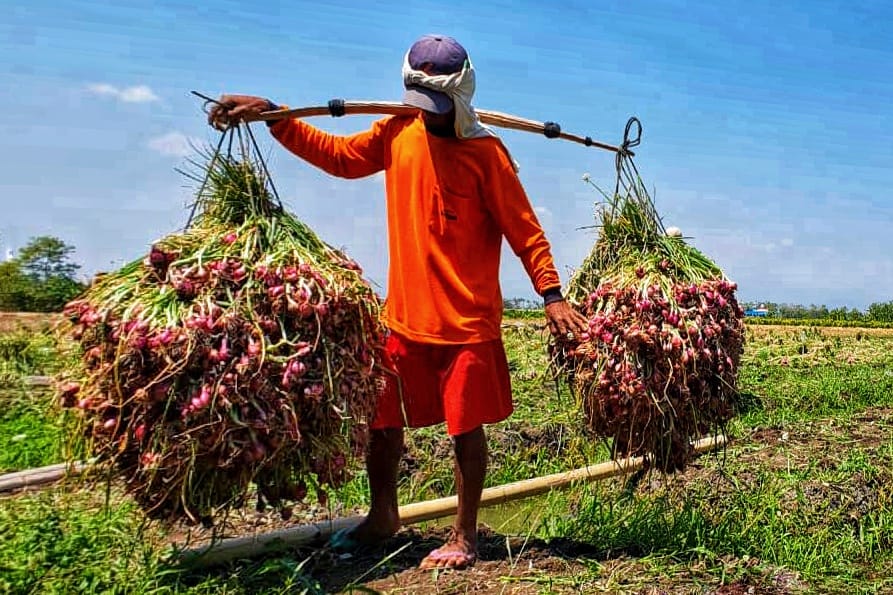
[
  {"x": 134, "y": 94},
  {"x": 173, "y": 144},
  {"x": 787, "y": 242},
  {"x": 138, "y": 94},
  {"x": 103, "y": 89},
  {"x": 543, "y": 211}
]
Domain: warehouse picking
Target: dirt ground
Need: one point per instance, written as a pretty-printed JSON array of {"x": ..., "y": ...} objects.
[
  {"x": 505, "y": 563},
  {"x": 12, "y": 321},
  {"x": 515, "y": 564},
  {"x": 752, "y": 329},
  {"x": 509, "y": 564},
  {"x": 829, "y": 331}
]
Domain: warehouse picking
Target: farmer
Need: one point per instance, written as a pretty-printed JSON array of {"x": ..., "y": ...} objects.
[{"x": 452, "y": 194}]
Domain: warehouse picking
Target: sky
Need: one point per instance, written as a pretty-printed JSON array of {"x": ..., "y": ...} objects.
[{"x": 767, "y": 128}]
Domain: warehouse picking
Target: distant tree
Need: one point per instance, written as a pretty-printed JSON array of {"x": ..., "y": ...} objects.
[
  {"x": 789, "y": 311},
  {"x": 14, "y": 287},
  {"x": 838, "y": 314},
  {"x": 45, "y": 257},
  {"x": 881, "y": 311},
  {"x": 41, "y": 278},
  {"x": 52, "y": 295},
  {"x": 814, "y": 312},
  {"x": 520, "y": 304},
  {"x": 818, "y": 311}
]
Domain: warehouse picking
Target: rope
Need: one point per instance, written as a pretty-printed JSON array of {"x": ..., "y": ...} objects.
[
  {"x": 623, "y": 159},
  {"x": 628, "y": 179},
  {"x": 263, "y": 165},
  {"x": 245, "y": 150},
  {"x": 208, "y": 175}
]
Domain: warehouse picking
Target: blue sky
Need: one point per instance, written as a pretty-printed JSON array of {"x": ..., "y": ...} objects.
[{"x": 768, "y": 134}]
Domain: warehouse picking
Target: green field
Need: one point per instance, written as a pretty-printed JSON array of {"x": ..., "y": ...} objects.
[{"x": 798, "y": 502}]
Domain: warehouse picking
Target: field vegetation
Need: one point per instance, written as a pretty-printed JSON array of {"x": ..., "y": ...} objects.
[{"x": 799, "y": 501}]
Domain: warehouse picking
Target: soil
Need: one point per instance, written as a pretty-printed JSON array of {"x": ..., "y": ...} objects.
[
  {"x": 515, "y": 564},
  {"x": 504, "y": 562},
  {"x": 33, "y": 321},
  {"x": 512, "y": 564},
  {"x": 828, "y": 331}
]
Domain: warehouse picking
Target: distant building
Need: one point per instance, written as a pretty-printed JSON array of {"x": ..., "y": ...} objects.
[{"x": 760, "y": 311}]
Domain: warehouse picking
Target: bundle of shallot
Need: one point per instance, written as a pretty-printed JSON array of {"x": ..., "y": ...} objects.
[
  {"x": 658, "y": 365},
  {"x": 239, "y": 354}
]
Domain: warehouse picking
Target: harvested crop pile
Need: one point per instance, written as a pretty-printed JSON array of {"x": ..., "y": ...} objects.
[
  {"x": 658, "y": 365},
  {"x": 240, "y": 352}
]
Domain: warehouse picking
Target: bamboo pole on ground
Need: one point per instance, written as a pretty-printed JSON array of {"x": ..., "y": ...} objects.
[
  {"x": 40, "y": 476},
  {"x": 39, "y": 380},
  {"x": 253, "y": 545}
]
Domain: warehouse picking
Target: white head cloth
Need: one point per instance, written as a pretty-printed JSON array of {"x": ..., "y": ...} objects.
[{"x": 459, "y": 87}]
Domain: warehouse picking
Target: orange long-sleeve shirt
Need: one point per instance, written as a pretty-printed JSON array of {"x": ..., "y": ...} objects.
[{"x": 449, "y": 204}]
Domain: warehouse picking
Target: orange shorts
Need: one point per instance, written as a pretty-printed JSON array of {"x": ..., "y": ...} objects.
[{"x": 465, "y": 386}]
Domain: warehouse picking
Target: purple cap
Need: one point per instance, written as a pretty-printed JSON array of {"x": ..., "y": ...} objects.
[{"x": 439, "y": 54}]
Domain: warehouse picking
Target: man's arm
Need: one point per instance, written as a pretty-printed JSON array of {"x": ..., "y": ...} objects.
[
  {"x": 508, "y": 203},
  {"x": 354, "y": 156}
]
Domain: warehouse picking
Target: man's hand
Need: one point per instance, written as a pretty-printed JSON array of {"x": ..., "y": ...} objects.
[
  {"x": 233, "y": 108},
  {"x": 565, "y": 322}
]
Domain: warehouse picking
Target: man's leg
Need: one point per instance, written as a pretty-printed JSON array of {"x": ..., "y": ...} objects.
[
  {"x": 470, "y": 468},
  {"x": 385, "y": 450}
]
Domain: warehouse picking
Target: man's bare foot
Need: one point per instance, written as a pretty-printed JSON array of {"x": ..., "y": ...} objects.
[
  {"x": 456, "y": 554},
  {"x": 369, "y": 532},
  {"x": 373, "y": 530}
]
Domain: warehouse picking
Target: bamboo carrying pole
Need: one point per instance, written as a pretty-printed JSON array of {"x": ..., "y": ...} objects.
[
  {"x": 392, "y": 108},
  {"x": 244, "y": 547}
]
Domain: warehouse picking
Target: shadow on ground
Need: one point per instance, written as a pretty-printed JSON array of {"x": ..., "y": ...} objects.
[
  {"x": 394, "y": 564},
  {"x": 513, "y": 564}
]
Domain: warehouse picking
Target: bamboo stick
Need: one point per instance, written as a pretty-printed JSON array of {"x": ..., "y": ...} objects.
[
  {"x": 392, "y": 108},
  {"x": 236, "y": 548},
  {"x": 40, "y": 476},
  {"x": 253, "y": 545},
  {"x": 39, "y": 380}
]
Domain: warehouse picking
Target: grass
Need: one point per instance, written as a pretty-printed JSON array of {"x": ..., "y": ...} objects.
[
  {"x": 815, "y": 507},
  {"x": 820, "y": 322},
  {"x": 800, "y": 501},
  {"x": 24, "y": 352},
  {"x": 537, "y": 314},
  {"x": 61, "y": 542},
  {"x": 801, "y": 519},
  {"x": 28, "y": 435},
  {"x": 53, "y": 542}
]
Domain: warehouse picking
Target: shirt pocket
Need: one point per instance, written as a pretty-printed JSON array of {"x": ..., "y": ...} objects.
[{"x": 461, "y": 205}]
